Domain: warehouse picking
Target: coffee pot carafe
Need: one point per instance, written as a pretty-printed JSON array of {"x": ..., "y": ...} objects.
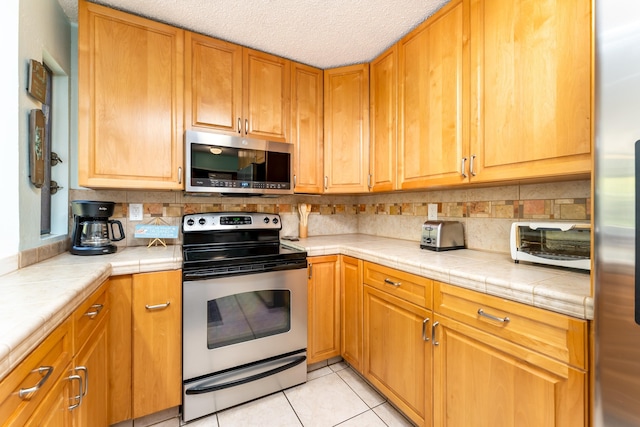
[{"x": 93, "y": 231}]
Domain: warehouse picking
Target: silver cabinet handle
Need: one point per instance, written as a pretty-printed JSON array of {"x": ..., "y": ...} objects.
[
  {"x": 492, "y": 317},
  {"x": 246, "y": 126},
  {"x": 463, "y": 167},
  {"x": 180, "y": 175},
  {"x": 97, "y": 308},
  {"x": 433, "y": 333},
  {"x": 45, "y": 371},
  {"x": 85, "y": 388},
  {"x": 471, "y": 171},
  {"x": 424, "y": 329},
  {"x": 391, "y": 282},
  {"x": 369, "y": 181},
  {"x": 326, "y": 182},
  {"x": 157, "y": 306},
  {"x": 78, "y": 397},
  {"x": 295, "y": 181},
  {"x": 239, "y": 125},
  {"x": 310, "y": 270}
]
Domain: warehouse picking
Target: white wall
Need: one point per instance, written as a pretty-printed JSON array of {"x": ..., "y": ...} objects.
[
  {"x": 44, "y": 35},
  {"x": 9, "y": 84}
]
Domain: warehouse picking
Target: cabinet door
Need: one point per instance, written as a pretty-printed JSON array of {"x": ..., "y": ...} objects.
[
  {"x": 130, "y": 83},
  {"x": 346, "y": 129},
  {"x": 54, "y": 410},
  {"x": 93, "y": 356},
  {"x": 120, "y": 328},
  {"x": 266, "y": 97},
  {"x": 397, "y": 357},
  {"x": 433, "y": 71},
  {"x": 484, "y": 381},
  {"x": 351, "y": 306},
  {"x": 306, "y": 127},
  {"x": 530, "y": 88},
  {"x": 323, "y": 336},
  {"x": 157, "y": 341},
  {"x": 213, "y": 90},
  {"x": 383, "y": 113}
]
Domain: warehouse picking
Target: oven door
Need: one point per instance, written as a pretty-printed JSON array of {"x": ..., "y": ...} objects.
[{"x": 237, "y": 320}]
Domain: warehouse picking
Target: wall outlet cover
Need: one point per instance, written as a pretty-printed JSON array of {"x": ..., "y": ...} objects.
[
  {"x": 135, "y": 211},
  {"x": 432, "y": 211}
]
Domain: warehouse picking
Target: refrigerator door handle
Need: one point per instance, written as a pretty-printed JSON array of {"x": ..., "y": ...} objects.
[{"x": 636, "y": 302}]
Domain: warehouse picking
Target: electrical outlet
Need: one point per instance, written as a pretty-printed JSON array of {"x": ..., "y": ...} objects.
[
  {"x": 135, "y": 211},
  {"x": 432, "y": 211}
]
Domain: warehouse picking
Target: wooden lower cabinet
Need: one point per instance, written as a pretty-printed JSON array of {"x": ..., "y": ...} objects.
[
  {"x": 146, "y": 344},
  {"x": 93, "y": 359},
  {"x": 397, "y": 357},
  {"x": 157, "y": 342},
  {"x": 323, "y": 315},
  {"x": 351, "y": 311},
  {"x": 483, "y": 380}
]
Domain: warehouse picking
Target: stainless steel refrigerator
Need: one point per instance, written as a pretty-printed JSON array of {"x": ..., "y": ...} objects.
[{"x": 617, "y": 165}]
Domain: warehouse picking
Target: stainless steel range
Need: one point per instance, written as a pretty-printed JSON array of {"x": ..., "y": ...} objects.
[{"x": 244, "y": 311}]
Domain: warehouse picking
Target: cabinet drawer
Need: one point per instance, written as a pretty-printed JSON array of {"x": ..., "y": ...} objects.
[
  {"x": 558, "y": 336},
  {"x": 89, "y": 314},
  {"x": 39, "y": 372},
  {"x": 409, "y": 287}
]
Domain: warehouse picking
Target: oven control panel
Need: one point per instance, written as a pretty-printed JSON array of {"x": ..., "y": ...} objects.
[{"x": 213, "y": 221}]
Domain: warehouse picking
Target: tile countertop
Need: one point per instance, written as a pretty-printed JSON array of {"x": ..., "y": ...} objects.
[
  {"x": 553, "y": 288},
  {"x": 38, "y": 298}
]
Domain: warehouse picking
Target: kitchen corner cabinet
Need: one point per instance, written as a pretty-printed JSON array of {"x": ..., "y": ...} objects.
[
  {"x": 346, "y": 129},
  {"x": 433, "y": 78},
  {"x": 236, "y": 90},
  {"x": 130, "y": 101},
  {"x": 382, "y": 115},
  {"x": 351, "y": 310},
  {"x": 323, "y": 316},
  {"x": 531, "y": 86},
  {"x": 146, "y": 344},
  {"x": 307, "y": 128},
  {"x": 396, "y": 338},
  {"x": 501, "y": 363},
  {"x": 61, "y": 368}
]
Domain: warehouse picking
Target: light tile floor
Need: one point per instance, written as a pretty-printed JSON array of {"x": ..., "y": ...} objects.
[{"x": 332, "y": 396}]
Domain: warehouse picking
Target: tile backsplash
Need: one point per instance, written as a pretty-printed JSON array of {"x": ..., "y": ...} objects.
[{"x": 487, "y": 213}]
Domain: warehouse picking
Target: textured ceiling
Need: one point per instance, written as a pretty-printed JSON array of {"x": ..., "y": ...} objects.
[{"x": 322, "y": 33}]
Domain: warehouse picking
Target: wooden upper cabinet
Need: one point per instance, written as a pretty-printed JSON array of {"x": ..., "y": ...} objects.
[
  {"x": 213, "y": 93},
  {"x": 307, "y": 127},
  {"x": 382, "y": 115},
  {"x": 266, "y": 96},
  {"x": 236, "y": 90},
  {"x": 432, "y": 78},
  {"x": 530, "y": 88},
  {"x": 346, "y": 129},
  {"x": 130, "y": 101}
]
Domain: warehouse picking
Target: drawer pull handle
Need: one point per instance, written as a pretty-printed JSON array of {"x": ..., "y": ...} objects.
[
  {"x": 78, "y": 397},
  {"x": 433, "y": 333},
  {"x": 492, "y": 317},
  {"x": 424, "y": 329},
  {"x": 97, "y": 308},
  {"x": 26, "y": 393},
  {"x": 85, "y": 388},
  {"x": 391, "y": 282},
  {"x": 157, "y": 306}
]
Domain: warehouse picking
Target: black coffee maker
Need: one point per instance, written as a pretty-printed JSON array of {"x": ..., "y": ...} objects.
[{"x": 92, "y": 229}]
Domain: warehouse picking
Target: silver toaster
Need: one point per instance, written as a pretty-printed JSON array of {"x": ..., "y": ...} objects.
[{"x": 442, "y": 235}]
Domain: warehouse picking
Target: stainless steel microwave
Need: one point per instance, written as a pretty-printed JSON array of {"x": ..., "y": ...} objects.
[{"x": 216, "y": 163}]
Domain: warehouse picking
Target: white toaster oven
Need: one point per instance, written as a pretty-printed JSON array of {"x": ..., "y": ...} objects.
[{"x": 561, "y": 244}]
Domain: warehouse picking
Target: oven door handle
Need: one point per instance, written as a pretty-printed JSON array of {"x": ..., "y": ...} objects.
[{"x": 210, "y": 389}]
